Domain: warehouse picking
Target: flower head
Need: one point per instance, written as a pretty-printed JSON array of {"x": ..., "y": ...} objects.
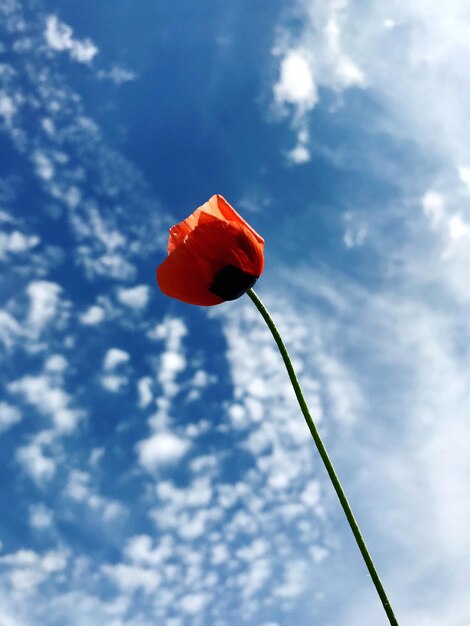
[{"x": 213, "y": 256}]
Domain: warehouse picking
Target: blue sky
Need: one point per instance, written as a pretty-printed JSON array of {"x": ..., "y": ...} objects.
[{"x": 155, "y": 466}]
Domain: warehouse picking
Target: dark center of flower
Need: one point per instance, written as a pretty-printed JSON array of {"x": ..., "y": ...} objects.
[{"x": 231, "y": 283}]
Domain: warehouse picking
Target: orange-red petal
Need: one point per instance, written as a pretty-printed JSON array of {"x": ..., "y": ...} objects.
[
  {"x": 231, "y": 215},
  {"x": 190, "y": 269},
  {"x": 180, "y": 277},
  {"x": 214, "y": 255},
  {"x": 217, "y": 208},
  {"x": 217, "y": 244}
]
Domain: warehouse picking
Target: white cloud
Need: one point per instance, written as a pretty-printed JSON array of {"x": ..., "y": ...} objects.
[
  {"x": 434, "y": 208},
  {"x": 296, "y": 84},
  {"x": 56, "y": 363},
  {"x": 10, "y": 329},
  {"x": 198, "y": 494},
  {"x": 300, "y": 154},
  {"x": 355, "y": 233},
  {"x": 93, "y": 315},
  {"x": 145, "y": 386},
  {"x": 117, "y": 74},
  {"x": 16, "y": 243},
  {"x": 161, "y": 449},
  {"x": 130, "y": 578},
  {"x": 405, "y": 57},
  {"x": 114, "y": 383},
  {"x": 200, "y": 380},
  {"x": 296, "y": 87},
  {"x": 464, "y": 175},
  {"x": 432, "y": 487},
  {"x": 324, "y": 40},
  {"x": 109, "y": 264},
  {"x": 448, "y": 212},
  {"x": 20, "y": 558},
  {"x": 40, "y": 517},
  {"x": 59, "y": 36},
  {"x": 9, "y": 415},
  {"x": 40, "y": 467},
  {"x": 28, "y": 569},
  {"x": 83, "y": 51},
  {"x": 43, "y": 165},
  {"x": 172, "y": 363},
  {"x": 172, "y": 330},
  {"x": 49, "y": 398},
  {"x": 55, "y": 561},
  {"x": 77, "y": 486},
  {"x": 344, "y": 396},
  {"x": 458, "y": 228},
  {"x": 418, "y": 331},
  {"x": 7, "y": 107},
  {"x": 115, "y": 357},
  {"x": 140, "y": 549},
  {"x": 44, "y": 301},
  {"x": 345, "y": 73},
  {"x": 194, "y": 603},
  {"x": 7, "y": 618},
  {"x": 308, "y": 62},
  {"x": 254, "y": 576},
  {"x": 134, "y": 297},
  {"x": 48, "y": 126},
  {"x": 295, "y": 576},
  {"x": 408, "y": 336}
]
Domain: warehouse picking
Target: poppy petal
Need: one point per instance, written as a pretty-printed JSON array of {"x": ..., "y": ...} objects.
[
  {"x": 213, "y": 256},
  {"x": 208, "y": 212},
  {"x": 231, "y": 215},
  {"x": 180, "y": 277},
  {"x": 180, "y": 231},
  {"x": 217, "y": 244},
  {"x": 217, "y": 208}
]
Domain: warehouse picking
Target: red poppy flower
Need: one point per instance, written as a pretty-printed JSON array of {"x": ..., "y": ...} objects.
[{"x": 213, "y": 256}]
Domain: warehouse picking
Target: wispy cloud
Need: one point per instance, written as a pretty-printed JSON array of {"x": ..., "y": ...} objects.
[
  {"x": 59, "y": 36},
  {"x": 117, "y": 74},
  {"x": 403, "y": 57},
  {"x": 307, "y": 63},
  {"x": 9, "y": 415}
]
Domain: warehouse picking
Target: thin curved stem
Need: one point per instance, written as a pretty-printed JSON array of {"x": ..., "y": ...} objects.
[{"x": 325, "y": 458}]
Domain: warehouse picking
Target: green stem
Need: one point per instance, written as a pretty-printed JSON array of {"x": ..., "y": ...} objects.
[{"x": 325, "y": 458}]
